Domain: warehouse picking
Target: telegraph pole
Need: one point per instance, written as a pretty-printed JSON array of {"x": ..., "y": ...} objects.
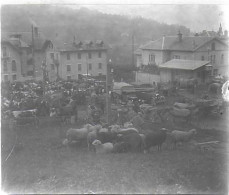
[
  {"x": 44, "y": 74},
  {"x": 108, "y": 92},
  {"x": 133, "y": 48},
  {"x": 33, "y": 63}
]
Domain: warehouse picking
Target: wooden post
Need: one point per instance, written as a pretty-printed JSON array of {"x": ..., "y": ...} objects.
[
  {"x": 108, "y": 91},
  {"x": 33, "y": 63}
]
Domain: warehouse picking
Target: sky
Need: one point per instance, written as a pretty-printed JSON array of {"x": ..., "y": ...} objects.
[
  {"x": 196, "y": 17},
  {"x": 194, "y": 14}
]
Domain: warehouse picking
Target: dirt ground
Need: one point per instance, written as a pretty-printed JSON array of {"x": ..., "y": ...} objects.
[{"x": 41, "y": 164}]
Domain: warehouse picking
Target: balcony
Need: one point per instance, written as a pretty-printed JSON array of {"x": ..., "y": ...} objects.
[{"x": 151, "y": 68}]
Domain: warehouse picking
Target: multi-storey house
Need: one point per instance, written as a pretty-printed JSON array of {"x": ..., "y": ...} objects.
[
  {"x": 11, "y": 61},
  {"x": 194, "y": 48},
  {"x": 78, "y": 58}
]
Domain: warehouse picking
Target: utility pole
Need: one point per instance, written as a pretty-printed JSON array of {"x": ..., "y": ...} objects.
[
  {"x": 33, "y": 63},
  {"x": 133, "y": 48},
  {"x": 44, "y": 74},
  {"x": 108, "y": 92}
]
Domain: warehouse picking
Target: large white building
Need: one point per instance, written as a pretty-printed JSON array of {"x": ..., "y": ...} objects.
[
  {"x": 80, "y": 58},
  {"x": 191, "y": 48}
]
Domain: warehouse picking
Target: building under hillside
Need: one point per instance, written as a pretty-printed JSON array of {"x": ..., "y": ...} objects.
[
  {"x": 83, "y": 58},
  {"x": 193, "y": 48},
  {"x": 36, "y": 57}
]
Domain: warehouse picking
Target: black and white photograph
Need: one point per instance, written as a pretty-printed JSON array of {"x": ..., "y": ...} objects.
[{"x": 114, "y": 97}]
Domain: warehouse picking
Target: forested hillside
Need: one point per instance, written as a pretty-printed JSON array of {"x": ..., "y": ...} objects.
[{"x": 64, "y": 23}]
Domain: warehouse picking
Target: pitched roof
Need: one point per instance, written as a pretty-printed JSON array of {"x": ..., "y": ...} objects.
[
  {"x": 81, "y": 46},
  {"x": 6, "y": 41},
  {"x": 188, "y": 43},
  {"x": 184, "y": 64},
  {"x": 138, "y": 52},
  {"x": 26, "y": 39}
]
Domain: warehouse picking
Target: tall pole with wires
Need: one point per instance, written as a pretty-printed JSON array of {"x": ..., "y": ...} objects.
[
  {"x": 133, "y": 48},
  {"x": 33, "y": 63},
  {"x": 108, "y": 92}
]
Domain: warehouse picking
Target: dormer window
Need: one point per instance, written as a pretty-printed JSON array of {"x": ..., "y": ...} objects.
[
  {"x": 89, "y": 43},
  {"x": 99, "y": 43}
]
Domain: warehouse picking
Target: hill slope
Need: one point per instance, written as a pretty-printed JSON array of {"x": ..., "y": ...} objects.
[{"x": 65, "y": 23}]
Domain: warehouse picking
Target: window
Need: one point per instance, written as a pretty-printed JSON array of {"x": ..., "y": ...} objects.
[
  {"x": 213, "y": 46},
  {"x": 176, "y": 57},
  {"x": 57, "y": 56},
  {"x": 79, "y": 67},
  {"x": 14, "y": 68},
  {"x": 68, "y": 68},
  {"x": 151, "y": 58},
  {"x": 222, "y": 59},
  {"x": 79, "y": 56},
  {"x": 202, "y": 58},
  {"x": 213, "y": 59},
  {"x": 68, "y": 56},
  {"x": 100, "y": 54},
  {"x": 52, "y": 67},
  {"x": 14, "y": 77},
  {"x": 100, "y": 65},
  {"x": 5, "y": 66},
  {"x": 5, "y": 77},
  {"x": 51, "y": 46},
  {"x": 89, "y": 66},
  {"x": 4, "y": 52},
  {"x": 215, "y": 72},
  {"x": 89, "y": 55},
  {"x": 69, "y": 78},
  {"x": 52, "y": 56}
]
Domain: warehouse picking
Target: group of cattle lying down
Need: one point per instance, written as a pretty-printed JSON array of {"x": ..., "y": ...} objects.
[{"x": 114, "y": 139}]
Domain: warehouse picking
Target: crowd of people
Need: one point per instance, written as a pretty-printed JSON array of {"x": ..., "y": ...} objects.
[{"x": 43, "y": 96}]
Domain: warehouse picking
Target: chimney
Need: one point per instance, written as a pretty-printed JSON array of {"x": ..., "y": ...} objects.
[
  {"x": 35, "y": 31},
  {"x": 225, "y": 33},
  {"x": 163, "y": 42},
  {"x": 74, "y": 40},
  {"x": 179, "y": 36}
]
